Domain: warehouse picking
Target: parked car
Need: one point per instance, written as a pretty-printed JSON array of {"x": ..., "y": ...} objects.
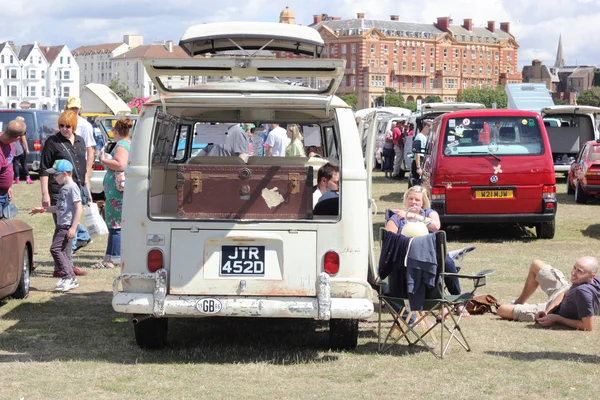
[
  {"x": 40, "y": 125},
  {"x": 230, "y": 236},
  {"x": 103, "y": 133},
  {"x": 577, "y": 126},
  {"x": 583, "y": 179},
  {"x": 16, "y": 248}
]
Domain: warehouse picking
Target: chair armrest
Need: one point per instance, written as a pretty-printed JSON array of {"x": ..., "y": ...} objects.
[
  {"x": 479, "y": 279},
  {"x": 480, "y": 274}
]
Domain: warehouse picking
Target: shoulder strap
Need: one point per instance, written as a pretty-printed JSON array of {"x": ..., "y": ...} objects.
[{"x": 72, "y": 162}]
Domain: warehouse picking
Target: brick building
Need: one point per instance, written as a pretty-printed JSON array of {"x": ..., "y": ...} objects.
[{"x": 418, "y": 60}]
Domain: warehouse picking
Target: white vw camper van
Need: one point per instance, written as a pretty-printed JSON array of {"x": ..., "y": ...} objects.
[{"x": 223, "y": 233}]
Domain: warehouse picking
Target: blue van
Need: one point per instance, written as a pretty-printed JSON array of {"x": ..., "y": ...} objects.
[{"x": 40, "y": 125}]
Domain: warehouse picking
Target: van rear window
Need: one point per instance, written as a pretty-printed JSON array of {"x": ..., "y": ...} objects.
[
  {"x": 496, "y": 135},
  {"x": 243, "y": 170}
]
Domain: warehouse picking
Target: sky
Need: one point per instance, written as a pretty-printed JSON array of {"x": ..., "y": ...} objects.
[{"x": 536, "y": 24}]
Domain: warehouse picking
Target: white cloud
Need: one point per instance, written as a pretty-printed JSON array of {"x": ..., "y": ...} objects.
[{"x": 536, "y": 25}]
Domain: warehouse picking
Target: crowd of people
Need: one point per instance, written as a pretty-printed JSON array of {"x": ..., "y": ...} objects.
[
  {"x": 272, "y": 140},
  {"x": 65, "y": 167}
]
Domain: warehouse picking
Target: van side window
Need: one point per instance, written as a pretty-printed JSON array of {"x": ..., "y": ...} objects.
[{"x": 499, "y": 136}]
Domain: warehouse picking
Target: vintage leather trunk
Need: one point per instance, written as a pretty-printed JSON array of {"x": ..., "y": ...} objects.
[{"x": 244, "y": 192}]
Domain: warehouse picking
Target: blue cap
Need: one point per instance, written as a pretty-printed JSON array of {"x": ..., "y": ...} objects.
[{"x": 60, "y": 166}]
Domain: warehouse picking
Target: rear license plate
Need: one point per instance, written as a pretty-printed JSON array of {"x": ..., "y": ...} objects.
[
  {"x": 243, "y": 260},
  {"x": 494, "y": 194}
]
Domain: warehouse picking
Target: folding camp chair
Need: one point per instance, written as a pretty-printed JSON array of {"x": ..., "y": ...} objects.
[{"x": 439, "y": 309}]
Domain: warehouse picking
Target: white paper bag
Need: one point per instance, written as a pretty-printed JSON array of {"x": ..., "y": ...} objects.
[{"x": 94, "y": 222}]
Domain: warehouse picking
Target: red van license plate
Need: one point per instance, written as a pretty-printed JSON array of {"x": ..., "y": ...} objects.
[{"x": 494, "y": 194}]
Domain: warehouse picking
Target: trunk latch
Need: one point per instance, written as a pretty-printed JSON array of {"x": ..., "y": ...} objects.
[{"x": 294, "y": 183}]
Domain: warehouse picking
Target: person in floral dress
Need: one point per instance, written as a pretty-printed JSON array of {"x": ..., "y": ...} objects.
[{"x": 114, "y": 184}]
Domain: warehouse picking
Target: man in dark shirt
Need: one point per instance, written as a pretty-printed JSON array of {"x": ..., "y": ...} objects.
[
  {"x": 12, "y": 132},
  {"x": 571, "y": 304}
]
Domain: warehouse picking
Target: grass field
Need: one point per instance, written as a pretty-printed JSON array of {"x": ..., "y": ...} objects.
[{"x": 75, "y": 346}]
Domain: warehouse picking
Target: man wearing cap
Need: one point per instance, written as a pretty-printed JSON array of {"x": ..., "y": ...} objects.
[
  {"x": 86, "y": 131},
  {"x": 13, "y": 132}
]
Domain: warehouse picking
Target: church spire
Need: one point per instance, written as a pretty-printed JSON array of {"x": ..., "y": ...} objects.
[{"x": 560, "y": 59}]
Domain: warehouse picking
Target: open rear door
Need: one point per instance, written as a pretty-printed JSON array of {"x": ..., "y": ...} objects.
[
  {"x": 368, "y": 128},
  {"x": 240, "y": 58}
]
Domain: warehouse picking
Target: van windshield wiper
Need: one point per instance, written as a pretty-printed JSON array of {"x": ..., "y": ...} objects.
[{"x": 479, "y": 153}]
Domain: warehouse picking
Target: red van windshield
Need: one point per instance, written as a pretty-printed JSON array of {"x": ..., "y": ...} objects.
[{"x": 497, "y": 135}]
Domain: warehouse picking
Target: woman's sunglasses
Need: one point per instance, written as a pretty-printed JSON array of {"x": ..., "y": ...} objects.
[{"x": 65, "y": 126}]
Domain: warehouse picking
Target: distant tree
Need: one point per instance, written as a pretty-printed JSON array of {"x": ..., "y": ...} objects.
[
  {"x": 351, "y": 99},
  {"x": 391, "y": 100},
  {"x": 590, "y": 97},
  {"x": 560, "y": 102},
  {"x": 411, "y": 105},
  {"x": 390, "y": 90},
  {"x": 596, "y": 77},
  {"x": 120, "y": 90},
  {"x": 487, "y": 96},
  {"x": 432, "y": 99}
]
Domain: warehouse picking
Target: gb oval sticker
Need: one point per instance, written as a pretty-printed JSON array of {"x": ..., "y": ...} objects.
[{"x": 209, "y": 305}]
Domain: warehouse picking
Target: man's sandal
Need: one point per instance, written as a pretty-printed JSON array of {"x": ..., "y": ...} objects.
[{"x": 102, "y": 265}]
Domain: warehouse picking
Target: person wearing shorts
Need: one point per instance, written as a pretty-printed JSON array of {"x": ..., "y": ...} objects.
[{"x": 571, "y": 303}]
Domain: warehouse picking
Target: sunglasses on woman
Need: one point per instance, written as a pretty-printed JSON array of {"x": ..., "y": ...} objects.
[{"x": 65, "y": 126}]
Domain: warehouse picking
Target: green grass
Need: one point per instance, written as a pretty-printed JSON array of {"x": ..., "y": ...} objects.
[{"x": 75, "y": 346}]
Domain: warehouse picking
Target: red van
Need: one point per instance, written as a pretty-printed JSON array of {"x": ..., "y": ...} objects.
[{"x": 491, "y": 166}]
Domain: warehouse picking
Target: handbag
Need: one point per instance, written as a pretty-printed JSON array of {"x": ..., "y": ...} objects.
[
  {"x": 483, "y": 303},
  {"x": 94, "y": 222},
  {"x": 85, "y": 198},
  {"x": 415, "y": 227},
  {"x": 119, "y": 178}
]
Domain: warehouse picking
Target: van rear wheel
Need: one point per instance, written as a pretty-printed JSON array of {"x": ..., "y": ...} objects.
[
  {"x": 545, "y": 230},
  {"x": 151, "y": 333},
  {"x": 580, "y": 196},
  {"x": 343, "y": 334}
]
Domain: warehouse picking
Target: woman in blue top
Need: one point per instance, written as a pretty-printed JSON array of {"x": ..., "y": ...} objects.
[{"x": 416, "y": 196}]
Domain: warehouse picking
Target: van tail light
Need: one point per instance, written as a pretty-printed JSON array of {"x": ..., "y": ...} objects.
[
  {"x": 155, "y": 260},
  {"x": 549, "y": 192},
  {"x": 37, "y": 145},
  {"x": 332, "y": 263},
  {"x": 438, "y": 193}
]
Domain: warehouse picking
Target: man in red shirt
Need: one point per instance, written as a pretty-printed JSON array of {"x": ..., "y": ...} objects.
[
  {"x": 398, "y": 147},
  {"x": 13, "y": 132}
]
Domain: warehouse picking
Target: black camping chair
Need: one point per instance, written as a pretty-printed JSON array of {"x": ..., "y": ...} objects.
[{"x": 438, "y": 309}]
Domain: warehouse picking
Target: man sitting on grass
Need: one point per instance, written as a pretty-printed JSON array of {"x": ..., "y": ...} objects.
[{"x": 571, "y": 304}]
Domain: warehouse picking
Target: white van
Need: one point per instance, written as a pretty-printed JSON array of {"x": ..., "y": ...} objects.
[
  {"x": 569, "y": 128},
  {"x": 230, "y": 236}
]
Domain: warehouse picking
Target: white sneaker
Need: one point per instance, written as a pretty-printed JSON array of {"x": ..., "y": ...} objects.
[
  {"x": 60, "y": 285},
  {"x": 458, "y": 254},
  {"x": 70, "y": 283}
]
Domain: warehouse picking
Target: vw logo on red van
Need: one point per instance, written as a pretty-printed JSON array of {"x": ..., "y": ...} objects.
[{"x": 494, "y": 178}]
